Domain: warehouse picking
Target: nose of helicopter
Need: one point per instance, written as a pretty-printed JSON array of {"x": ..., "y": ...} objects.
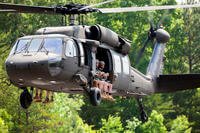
[{"x": 21, "y": 68}]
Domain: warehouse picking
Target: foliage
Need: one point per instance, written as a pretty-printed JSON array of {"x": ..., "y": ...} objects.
[
  {"x": 73, "y": 113},
  {"x": 132, "y": 124},
  {"x": 3, "y": 126},
  {"x": 154, "y": 124},
  {"x": 180, "y": 124},
  {"x": 113, "y": 125},
  {"x": 6, "y": 119}
]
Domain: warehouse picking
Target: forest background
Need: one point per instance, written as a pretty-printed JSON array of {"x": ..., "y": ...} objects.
[{"x": 173, "y": 112}]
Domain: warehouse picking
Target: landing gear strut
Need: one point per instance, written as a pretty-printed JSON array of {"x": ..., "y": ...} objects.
[
  {"x": 26, "y": 98},
  {"x": 95, "y": 96},
  {"x": 143, "y": 115}
]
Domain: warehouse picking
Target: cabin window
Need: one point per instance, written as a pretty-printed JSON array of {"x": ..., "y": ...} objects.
[
  {"x": 88, "y": 56},
  {"x": 52, "y": 45},
  {"x": 22, "y": 45},
  {"x": 35, "y": 44},
  {"x": 117, "y": 61},
  {"x": 70, "y": 50},
  {"x": 125, "y": 63}
]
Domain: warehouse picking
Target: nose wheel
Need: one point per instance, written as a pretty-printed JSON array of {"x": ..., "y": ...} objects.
[
  {"x": 95, "y": 96},
  {"x": 25, "y": 98}
]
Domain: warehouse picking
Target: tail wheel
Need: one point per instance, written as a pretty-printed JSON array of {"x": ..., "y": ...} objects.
[
  {"x": 143, "y": 116},
  {"x": 95, "y": 96},
  {"x": 25, "y": 99}
]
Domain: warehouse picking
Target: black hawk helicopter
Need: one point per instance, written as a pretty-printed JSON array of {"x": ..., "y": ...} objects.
[{"x": 64, "y": 59}]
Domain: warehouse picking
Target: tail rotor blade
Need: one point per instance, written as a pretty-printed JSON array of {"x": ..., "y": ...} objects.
[
  {"x": 142, "y": 51},
  {"x": 150, "y": 18},
  {"x": 151, "y": 36}
]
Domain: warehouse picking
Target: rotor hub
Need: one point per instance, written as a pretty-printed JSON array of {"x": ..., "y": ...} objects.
[{"x": 72, "y": 9}]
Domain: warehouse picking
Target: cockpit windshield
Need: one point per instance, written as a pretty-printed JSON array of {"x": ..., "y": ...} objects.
[
  {"x": 49, "y": 45},
  {"x": 52, "y": 45},
  {"x": 35, "y": 44}
]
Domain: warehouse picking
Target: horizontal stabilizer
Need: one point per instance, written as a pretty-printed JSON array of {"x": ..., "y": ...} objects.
[{"x": 171, "y": 83}]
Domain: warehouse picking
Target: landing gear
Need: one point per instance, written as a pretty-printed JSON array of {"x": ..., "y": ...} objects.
[
  {"x": 25, "y": 98},
  {"x": 143, "y": 115},
  {"x": 95, "y": 96}
]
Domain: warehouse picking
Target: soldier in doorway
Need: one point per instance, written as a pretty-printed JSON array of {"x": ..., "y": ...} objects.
[{"x": 38, "y": 96}]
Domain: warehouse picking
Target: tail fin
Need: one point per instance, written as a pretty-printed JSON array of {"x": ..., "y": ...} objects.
[{"x": 156, "y": 64}]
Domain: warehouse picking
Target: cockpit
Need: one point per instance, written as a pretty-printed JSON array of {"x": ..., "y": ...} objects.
[{"x": 41, "y": 56}]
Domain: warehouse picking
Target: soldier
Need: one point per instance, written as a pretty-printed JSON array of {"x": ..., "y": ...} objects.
[
  {"x": 38, "y": 95},
  {"x": 107, "y": 86},
  {"x": 97, "y": 75},
  {"x": 47, "y": 99}
]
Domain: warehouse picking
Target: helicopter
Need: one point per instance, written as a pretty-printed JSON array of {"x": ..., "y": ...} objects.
[{"x": 64, "y": 59}]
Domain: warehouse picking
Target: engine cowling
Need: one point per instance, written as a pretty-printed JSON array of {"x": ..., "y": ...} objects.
[{"x": 109, "y": 37}]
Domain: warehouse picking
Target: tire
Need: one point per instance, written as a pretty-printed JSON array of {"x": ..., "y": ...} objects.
[
  {"x": 25, "y": 99},
  {"x": 144, "y": 116},
  {"x": 95, "y": 96}
]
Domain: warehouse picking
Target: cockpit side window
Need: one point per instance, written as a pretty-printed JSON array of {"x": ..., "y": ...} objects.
[
  {"x": 22, "y": 45},
  {"x": 70, "y": 50}
]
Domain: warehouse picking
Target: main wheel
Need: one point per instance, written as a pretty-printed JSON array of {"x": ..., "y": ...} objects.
[
  {"x": 95, "y": 96},
  {"x": 144, "y": 116},
  {"x": 25, "y": 99}
]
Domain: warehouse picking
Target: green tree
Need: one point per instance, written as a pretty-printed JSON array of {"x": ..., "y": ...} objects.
[
  {"x": 132, "y": 124},
  {"x": 180, "y": 125},
  {"x": 112, "y": 125},
  {"x": 153, "y": 125},
  {"x": 3, "y": 126},
  {"x": 6, "y": 123}
]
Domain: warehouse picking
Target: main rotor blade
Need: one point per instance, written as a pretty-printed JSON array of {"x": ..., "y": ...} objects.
[
  {"x": 146, "y": 8},
  {"x": 98, "y": 4},
  {"x": 25, "y": 8},
  {"x": 1, "y": 11}
]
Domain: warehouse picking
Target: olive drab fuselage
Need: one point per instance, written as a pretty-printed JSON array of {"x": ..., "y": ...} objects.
[{"x": 52, "y": 57}]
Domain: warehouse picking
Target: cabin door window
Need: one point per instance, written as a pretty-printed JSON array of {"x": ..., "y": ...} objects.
[{"x": 117, "y": 61}]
